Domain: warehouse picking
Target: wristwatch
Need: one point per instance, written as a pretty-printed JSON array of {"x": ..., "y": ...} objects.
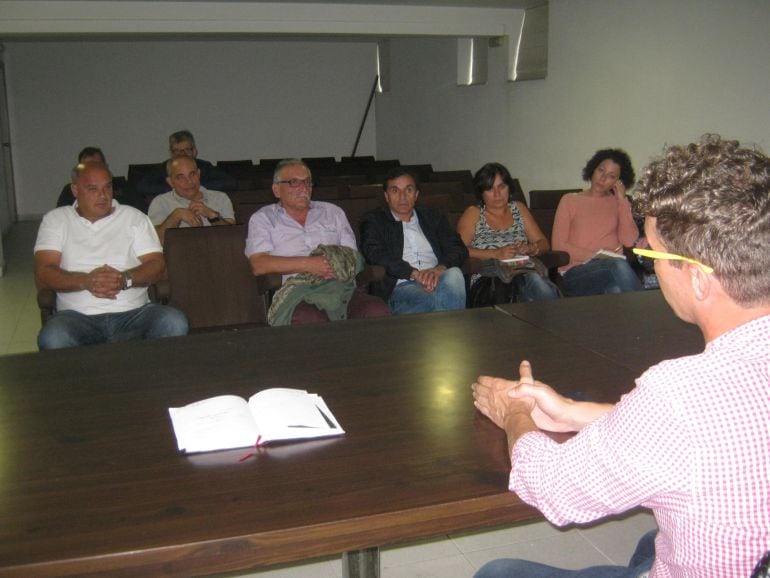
[{"x": 128, "y": 281}]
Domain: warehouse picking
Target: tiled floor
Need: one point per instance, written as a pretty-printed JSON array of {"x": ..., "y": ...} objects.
[
  {"x": 19, "y": 315},
  {"x": 458, "y": 555}
]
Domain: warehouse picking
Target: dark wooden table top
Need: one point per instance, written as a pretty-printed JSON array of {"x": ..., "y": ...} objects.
[
  {"x": 91, "y": 481},
  {"x": 635, "y": 330}
]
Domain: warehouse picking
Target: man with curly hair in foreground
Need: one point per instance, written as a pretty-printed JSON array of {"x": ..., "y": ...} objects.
[{"x": 691, "y": 440}]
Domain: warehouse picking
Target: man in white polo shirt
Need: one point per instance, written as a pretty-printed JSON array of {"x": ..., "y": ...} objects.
[
  {"x": 100, "y": 257},
  {"x": 188, "y": 204}
]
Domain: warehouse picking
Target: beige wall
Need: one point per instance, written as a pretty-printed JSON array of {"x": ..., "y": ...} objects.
[
  {"x": 241, "y": 99},
  {"x": 628, "y": 73}
]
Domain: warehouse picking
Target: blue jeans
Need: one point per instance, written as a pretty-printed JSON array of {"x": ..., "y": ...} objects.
[
  {"x": 532, "y": 287},
  {"x": 70, "y": 329},
  {"x": 640, "y": 563},
  {"x": 601, "y": 276},
  {"x": 410, "y": 297}
]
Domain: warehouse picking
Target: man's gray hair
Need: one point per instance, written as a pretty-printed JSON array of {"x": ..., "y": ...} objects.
[
  {"x": 289, "y": 163},
  {"x": 180, "y": 136}
]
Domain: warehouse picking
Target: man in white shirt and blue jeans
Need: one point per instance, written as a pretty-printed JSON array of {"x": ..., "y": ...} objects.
[{"x": 100, "y": 257}]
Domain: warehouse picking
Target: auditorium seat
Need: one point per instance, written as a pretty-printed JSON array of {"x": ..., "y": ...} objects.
[
  {"x": 225, "y": 165},
  {"x": 376, "y": 171},
  {"x": 137, "y": 171},
  {"x": 364, "y": 159},
  {"x": 422, "y": 171},
  {"x": 210, "y": 280},
  {"x": 247, "y": 175},
  {"x": 320, "y": 162},
  {"x": 347, "y": 179},
  {"x": 463, "y": 176},
  {"x": 365, "y": 191},
  {"x": 245, "y": 208},
  {"x": 329, "y": 192},
  {"x": 543, "y": 204},
  {"x": 355, "y": 207},
  {"x": 268, "y": 165}
]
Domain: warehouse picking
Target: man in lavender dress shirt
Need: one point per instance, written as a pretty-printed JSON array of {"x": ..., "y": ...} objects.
[{"x": 281, "y": 237}]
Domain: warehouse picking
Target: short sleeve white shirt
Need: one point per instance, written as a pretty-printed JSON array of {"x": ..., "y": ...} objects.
[
  {"x": 117, "y": 240},
  {"x": 163, "y": 205}
]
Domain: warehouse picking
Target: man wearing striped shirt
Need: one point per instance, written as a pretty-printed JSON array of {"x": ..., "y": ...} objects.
[{"x": 692, "y": 440}]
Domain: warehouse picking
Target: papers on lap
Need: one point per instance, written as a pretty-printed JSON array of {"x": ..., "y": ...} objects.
[
  {"x": 605, "y": 254},
  {"x": 228, "y": 421},
  {"x": 516, "y": 260}
]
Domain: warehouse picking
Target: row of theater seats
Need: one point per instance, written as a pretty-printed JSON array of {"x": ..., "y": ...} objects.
[
  {"x": 450, "y": 196},
  {"x": 209, "y": 276},
  {"x": 326, "y": 172}
]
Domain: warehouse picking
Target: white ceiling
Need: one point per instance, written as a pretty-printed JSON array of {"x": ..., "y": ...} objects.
[
  {"x": 454, "y": 3},
  {"x": 206, "y": 19}
]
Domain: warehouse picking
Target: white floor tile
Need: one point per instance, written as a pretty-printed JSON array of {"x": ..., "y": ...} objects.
[
  {"x": 452, "y": 567},
  {"x": 324, "y": 568},
  {"x": 472, "y": 541},
  {"x": 418, "y": 552},
  {"x": 617, "y": 539},
  {"x": 16, "y": 347},
  {"x": 19, "y": 314},
  {"x": 566, "y": 550}
]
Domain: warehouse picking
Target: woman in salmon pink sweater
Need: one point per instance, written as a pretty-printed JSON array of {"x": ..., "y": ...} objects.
[{"x": 594, "y": 219}]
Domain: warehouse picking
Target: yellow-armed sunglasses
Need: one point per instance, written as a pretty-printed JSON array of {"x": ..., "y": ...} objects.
[{"x": 670, "y": 257}]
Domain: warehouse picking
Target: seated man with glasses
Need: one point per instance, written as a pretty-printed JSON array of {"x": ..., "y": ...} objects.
[
  {"x": 421, "y": 253},
  {"x": 690, "y": 441},
  {"x": 182, "y": 144},
  {"x": 282, "y": 236}
]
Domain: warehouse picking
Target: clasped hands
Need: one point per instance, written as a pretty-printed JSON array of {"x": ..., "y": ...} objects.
[
  {"x": 193, "y": 214},
  {"x": 428, "y": 278},
  {"x": 499, "y": 398},
  {"x": 105, "y": 282}
]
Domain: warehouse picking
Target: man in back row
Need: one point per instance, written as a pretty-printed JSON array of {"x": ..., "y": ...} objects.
[
  {"x": 691, "y": 440},
  {"x": 188, "y": 204},
  {"x": 182, "y": 144},
  {"x": 121, "y": 191},
  {"x": 282, "y": 236},
  {"x": 100, "y": 257}
]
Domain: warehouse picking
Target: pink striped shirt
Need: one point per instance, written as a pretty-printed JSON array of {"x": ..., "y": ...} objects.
[{"x": 691, "y": 442}]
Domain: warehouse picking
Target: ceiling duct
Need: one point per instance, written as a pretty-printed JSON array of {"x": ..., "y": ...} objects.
[
  {"x": 532, "y": 53},
  {"x": 472, "y": 57}
]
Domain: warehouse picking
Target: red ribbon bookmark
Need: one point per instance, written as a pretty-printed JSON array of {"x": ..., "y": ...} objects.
[{"x": 246, "y": 456}]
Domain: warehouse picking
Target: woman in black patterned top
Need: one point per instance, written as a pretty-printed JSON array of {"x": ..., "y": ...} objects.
[{"x": 499, "y": 228}]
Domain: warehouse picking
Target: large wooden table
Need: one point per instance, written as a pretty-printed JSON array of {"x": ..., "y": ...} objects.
[
  {"x": 91, "y": 481},
  {"x": 635, "y": 330}
]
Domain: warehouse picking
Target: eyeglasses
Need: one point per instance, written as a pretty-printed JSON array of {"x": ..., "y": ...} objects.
[
  {"x": 188, "y": 151},
  {"x": 296, "y": 183},
  {"x": 670, "y": 257}
]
